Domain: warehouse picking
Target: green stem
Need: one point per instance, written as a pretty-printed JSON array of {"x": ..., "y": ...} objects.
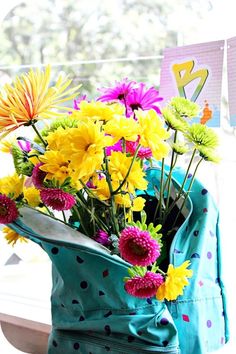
[
  {"x": 64, "y": 215},
  {"x": 159, "y": 204},
  {"x": 123, "y": 145},
  {"x": 187, "y": 194},
  {"x": 128, "y": 172},
  {"x": 39, "y": 135},
  {"x": 85, "y": 207},
  {"x": 80, "y": 220},
  {"x": 88, "y": 190},
  {"x": 180, "y": 192},
  {"x": 172, "y": 163},
  {"x": 113, "y": 206}
]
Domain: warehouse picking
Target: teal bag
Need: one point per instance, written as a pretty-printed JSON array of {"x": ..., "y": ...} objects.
[{"x": 92, "y": 313}]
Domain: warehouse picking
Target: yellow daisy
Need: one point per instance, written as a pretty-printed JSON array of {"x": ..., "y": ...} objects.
[
  {"x": 85, "y": 148},
  {"x": 56, "y": 165},
  {"x": 12, "y": 237},
  {"x": 32, "y": 196},
  {"x": 97, "y": 111},
  {"x": 175, "y": 282},
  {"x": 153, "y": 134},
  {"x": 119, "y": 165},
  {"x": 11, "y": 185},
  {"x": 121, "y": 127}
]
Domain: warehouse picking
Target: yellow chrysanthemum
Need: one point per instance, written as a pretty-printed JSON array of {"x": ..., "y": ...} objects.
[
  {"x": 97, "y": 111},
  {"x": 12, "y": 185},
  {"x": 56, "y": 165},
  {"x": 118, "y": 167},
  {"x": 57, "y": 139},
  {"x": 34, "y": 159},
  {"x": 153, "y": 134},
  {"x": 12, "y": 237},
  {"x": 138, "y": 204},
  {"x": 85, "y": 148},
  {"x": 121, "y": 127},
  {"x": 6, "y": 145},
  {"x": 175, "y": 282},
  {"x": 30, "y": 98},
  {"x": 32, "y": 196},
  {"x": 101, "y": 189}
]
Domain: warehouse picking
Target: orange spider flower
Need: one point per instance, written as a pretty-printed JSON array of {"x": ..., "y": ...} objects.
[{"x": 30, "y": 98}]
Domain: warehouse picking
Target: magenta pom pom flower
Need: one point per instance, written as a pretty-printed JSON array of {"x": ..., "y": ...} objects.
[
  {"x": 102, "y": 237},
  {"x": 57, "y": 199},
  {"x": 143, "y": 153},
  {"x": 142, "y": 98},
  {"x": 8, "y": 210},
  {"x": 118, "y": 92},
  {"x": 144, "y": 287},
  {"x": 137, "y": 247},
  {"x": 38, "y": 176}
]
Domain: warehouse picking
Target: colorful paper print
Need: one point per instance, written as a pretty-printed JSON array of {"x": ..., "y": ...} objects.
[{"x": 195, "y": 72}]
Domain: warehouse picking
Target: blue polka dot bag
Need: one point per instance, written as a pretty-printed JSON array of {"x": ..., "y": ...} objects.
[{"x": 93, "y": 314}]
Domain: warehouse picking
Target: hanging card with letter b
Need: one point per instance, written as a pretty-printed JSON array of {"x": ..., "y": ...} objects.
[{"x": 195, "y": 72}]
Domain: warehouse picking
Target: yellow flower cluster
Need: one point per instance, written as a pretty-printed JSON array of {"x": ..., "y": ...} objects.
[{"x": 175, "y": 282}]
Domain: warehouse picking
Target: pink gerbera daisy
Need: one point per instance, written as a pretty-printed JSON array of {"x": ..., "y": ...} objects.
[
  {"x": 118, "y": 92},
  {"x": 143, "y": 153},
  {"x": 144, "y": 287},
  {"x": 102, "y": 237},
  {"x": 57, "y": 199},
  {"x": 143, "y": 98},
  {"x": 8, "y": 210},
  {"x": 38, "y": 176},
  {"x": 138, "y": 247},
  {"x": 77, "y": 102}
]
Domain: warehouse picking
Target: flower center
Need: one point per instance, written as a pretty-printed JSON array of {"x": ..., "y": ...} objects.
[
  {"x": 121, "y": 96},
  {"x": 3, "y": 211},
  {"x": 135, "y": 106},
  {"x": 91, "y": 148},
  {"x": 138, "y": 250}
]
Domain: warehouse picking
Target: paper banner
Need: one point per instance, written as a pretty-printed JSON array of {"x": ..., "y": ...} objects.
[
  {"x": 195, "y": 72},
  {"x": 231, "y": 64}
]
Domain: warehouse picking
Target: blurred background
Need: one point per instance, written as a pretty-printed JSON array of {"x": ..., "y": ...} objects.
[{"x": 96, "y": 42}]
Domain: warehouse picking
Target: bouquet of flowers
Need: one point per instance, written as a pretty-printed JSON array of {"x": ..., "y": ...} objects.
[{"x": 87, "y": 166}]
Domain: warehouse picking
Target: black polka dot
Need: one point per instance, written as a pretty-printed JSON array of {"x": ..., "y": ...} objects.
[
  {"x": 54, "y": 343},
  {"x": 81, "y": 318},
  {"x": 165, "y": 343},
  {"x": 109, "y": 313},
  {"x": 83, "y": 284},
  {"x": 62, "y": 305},
  {"x": 101, "y": 293},
  {"x": 131, "y": 339},
  {"x": 75, "y": 301},
  {"x": 204, "y": 191},
  {"x": 79, "y": 260},
  {"x": 76, "y": 346},
  {"x": 107, "y": 330},
  {"x": 54, "y": 250},
  {"x": 164, "y": 321},
  {"x": 196, "y": 232},
  {"x": 107, "y": 348},
  {"x": 149, "y": 301},
  {"x": 140, "y": 333}
]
